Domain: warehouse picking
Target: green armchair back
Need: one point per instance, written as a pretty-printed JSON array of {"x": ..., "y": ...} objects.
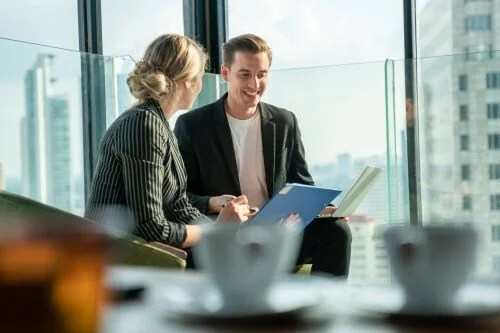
[{"x": 127, "y": 250}]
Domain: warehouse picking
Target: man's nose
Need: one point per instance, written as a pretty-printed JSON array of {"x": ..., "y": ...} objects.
[{"x": 254, "y": 82}]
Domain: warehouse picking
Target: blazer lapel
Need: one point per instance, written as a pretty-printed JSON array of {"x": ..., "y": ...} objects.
[
  {"x": 225, "y": 140},
  {"x": 268, "y": 129}
]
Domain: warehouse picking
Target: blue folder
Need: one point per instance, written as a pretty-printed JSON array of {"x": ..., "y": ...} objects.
[{"x": 306, "y": 200}]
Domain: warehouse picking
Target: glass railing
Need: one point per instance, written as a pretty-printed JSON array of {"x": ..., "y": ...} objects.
[
  {"x": 349, "y": 115},
  {"x": 341, "y": 111},
  {"x": 41, "y": 150},
  {"x": 343, "y": 114},
  {"x": 457, "y": 117}
]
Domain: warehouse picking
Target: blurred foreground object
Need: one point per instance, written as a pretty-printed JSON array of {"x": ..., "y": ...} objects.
[
  {"x": 127, "y": 249},
  {"x": 51, "y": 274}
]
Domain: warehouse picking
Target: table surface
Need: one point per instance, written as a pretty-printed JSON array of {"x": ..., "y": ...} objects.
[{"x": 143, "y": 314}]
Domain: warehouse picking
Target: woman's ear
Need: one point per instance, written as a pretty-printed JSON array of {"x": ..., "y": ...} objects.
[{"x": 187, "y": 84}]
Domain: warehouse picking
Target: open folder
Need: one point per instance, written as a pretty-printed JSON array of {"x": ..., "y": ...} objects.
[
  {"x": 305, "y": 200},
  {"x": 308, "y": 201},
  {"x": 357, "y": 192}
]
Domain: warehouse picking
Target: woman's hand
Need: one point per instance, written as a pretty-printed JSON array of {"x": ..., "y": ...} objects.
[{"x": 235, "y": 211}]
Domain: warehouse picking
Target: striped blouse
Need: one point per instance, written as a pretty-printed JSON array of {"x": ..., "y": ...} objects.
[{"x": 140, "y": 167}]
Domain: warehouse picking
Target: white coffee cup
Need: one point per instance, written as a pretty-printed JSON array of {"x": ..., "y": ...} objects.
[
  {"x": 431, "y": 263},
  {"x": 244, "y": 261}
]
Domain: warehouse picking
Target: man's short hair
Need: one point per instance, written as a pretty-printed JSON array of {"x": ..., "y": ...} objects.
[{"x": 244, "y": 43}]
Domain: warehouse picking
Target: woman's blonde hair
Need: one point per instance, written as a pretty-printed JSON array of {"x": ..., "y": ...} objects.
[{"x": 168, "y": 59}]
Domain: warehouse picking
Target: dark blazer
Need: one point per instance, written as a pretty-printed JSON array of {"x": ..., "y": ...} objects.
[
  {"x": 140, "y": 167},
  {"x": 206, "y": 146}
]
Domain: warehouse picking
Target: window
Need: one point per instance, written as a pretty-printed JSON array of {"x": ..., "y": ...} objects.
[
  {"x": 123, "y": 35},
  {"x": 478, "y": 52},
  {"x": 478, "y": 23},
  {"x": 464, "y": 142},
  {"x": 321, "y": 26},
  {"x": 469, "y": 1},
  {"x": 495, "y": 233},
  {"x": 492, "y": 80},
  {"x": 465, "y": 172},
  {"x": 494, "y": 141},
  {"x": 494, "y": 171},
  {"x": 495, "y": 202},
  {"x": 493, "y": 110},
  {"x": 496, "y": 264},
  {"x": 462, "y": 82},
  {"x": 51, "y": 22},
  {"x": 466, "y": 202},
  {"x": 464, "y": 112}
]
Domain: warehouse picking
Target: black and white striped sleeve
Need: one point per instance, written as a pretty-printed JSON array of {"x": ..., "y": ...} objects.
[{"x": 185, "y": 212}]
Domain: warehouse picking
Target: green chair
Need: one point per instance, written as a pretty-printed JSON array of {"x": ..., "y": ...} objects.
[{"x": 127, "y": 249}]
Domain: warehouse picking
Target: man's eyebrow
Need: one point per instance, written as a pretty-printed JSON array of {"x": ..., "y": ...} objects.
[{"x": 248, "y": 71}]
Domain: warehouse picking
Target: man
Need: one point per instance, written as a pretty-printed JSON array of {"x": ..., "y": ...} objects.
[{"x": 240, "y": 145}]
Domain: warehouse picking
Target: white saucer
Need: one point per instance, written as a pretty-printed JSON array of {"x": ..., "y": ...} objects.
[
  {"x": 474, "y": 301},
  {"x": 291, "y": 295}
]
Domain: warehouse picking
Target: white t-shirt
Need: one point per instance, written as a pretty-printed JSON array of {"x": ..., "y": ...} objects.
[{"x": 247, "y": 143}]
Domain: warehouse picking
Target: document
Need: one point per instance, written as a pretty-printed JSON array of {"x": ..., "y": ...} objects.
[
  {"x": 305, "y": 200},
  {"x": 357, "y": 192}
]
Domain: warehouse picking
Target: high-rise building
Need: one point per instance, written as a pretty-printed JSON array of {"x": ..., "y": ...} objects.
[
  {"x": 460, "y": 114},
  {"x": 37, "y": 88},
  {"x": 58, "y": 153},
  {"x": 369, "y": 261},
  {"x": 45, "y": 138}
]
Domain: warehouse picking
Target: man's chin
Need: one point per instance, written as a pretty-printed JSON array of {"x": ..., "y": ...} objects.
[{"x": 252, "y": 103}]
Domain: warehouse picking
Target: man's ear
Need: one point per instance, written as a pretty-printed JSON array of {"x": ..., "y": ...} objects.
[{"x": 224, "y": 71}]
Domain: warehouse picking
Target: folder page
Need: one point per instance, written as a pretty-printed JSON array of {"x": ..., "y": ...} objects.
[{"x": 357, "y": 192}]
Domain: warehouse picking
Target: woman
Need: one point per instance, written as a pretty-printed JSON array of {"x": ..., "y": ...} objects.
[{"x": 140, "y": 166}]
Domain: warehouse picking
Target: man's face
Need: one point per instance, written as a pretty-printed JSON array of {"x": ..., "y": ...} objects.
[{"x": 246, "y": 78}]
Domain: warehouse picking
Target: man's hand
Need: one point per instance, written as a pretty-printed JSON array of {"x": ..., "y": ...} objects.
[
  {"x": 329, "y": 210},
  {"x": 215, "y": 204},
  {"x": 290, "y": 219},
  {"x": 234, "y": 212}
]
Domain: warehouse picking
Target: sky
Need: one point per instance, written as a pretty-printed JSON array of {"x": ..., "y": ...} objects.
[{"x": 302, "y": 34}]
